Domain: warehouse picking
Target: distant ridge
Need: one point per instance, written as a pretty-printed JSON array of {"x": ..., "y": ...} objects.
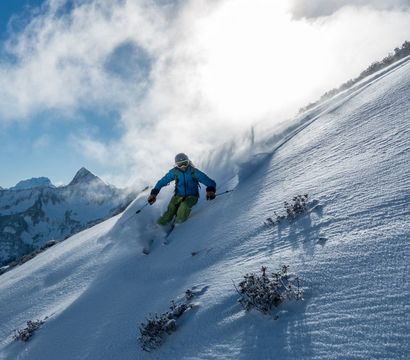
[
  {"x": 35, "y": 211},
  {"x": 33, "y": 183}
]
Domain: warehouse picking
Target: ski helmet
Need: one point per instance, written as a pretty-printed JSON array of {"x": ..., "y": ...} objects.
[
  {"x": 181, "y": 160},
  {"x": 181, "y": 157}
]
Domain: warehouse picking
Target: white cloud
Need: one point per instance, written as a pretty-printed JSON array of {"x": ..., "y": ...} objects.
[
  {"x": 92, "y": 148},
  {"x": 60, "y": 59},
  {"x": 215, "y": 68},
  {"x": 317, "y": 8}
]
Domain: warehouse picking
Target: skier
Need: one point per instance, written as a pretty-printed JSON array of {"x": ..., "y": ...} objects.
[{"x": 187, "y": 179}]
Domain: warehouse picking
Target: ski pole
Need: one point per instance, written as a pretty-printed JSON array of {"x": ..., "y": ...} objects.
[
  {"x": 138, "y": 211},
  {"x": 225, "y": 192},
  {"x": 128, "y": 219}
]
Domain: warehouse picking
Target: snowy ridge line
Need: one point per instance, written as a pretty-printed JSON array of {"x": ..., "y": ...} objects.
[
  {"x": 365, "y": 81},
  {"x": 348, "y": 94}
]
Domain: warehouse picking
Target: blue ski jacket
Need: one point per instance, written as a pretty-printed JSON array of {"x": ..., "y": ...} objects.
[{"x": 186, "y": 182}]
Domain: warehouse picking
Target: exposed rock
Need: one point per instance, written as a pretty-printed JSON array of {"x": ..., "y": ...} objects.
[{"x": 29, "y": 218}]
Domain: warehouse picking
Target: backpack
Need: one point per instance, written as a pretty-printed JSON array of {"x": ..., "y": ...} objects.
[{"x": 192, "y": 169}]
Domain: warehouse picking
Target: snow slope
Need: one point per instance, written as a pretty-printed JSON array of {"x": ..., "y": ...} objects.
[{"x": 352, "y": 254}]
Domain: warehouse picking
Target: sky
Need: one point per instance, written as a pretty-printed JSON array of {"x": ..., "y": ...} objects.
[{"x": 121, "y": 86}]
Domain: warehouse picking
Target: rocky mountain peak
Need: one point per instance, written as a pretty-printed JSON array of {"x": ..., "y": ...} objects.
[{"x": 84, "y": 176}]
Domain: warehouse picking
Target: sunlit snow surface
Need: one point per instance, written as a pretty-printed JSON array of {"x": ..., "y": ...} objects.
[{"x": 352, "y": 254}]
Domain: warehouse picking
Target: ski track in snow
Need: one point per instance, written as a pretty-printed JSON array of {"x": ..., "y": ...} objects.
[{"x": 352, "y": 254}]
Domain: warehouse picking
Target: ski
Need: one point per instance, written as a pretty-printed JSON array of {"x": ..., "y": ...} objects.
[
  {"x": 167, "y": 233},
  {"x": 201, "y": 251},
  {"x": 147, "y": 248}
]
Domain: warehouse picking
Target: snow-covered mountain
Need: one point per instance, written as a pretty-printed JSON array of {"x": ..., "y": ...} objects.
[
  {"x": 34, "y": 211},
  {"x": 351, "y": 154},
  {"x": 84, "y": 177},
  {"x": 33, "y": 183}
]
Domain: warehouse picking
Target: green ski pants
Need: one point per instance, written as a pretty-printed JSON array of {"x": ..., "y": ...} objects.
[{"x": 179, "y": 206}]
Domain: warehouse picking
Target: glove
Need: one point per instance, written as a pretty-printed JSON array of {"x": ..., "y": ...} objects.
[
  {"x": 210, "y": 193},
  {"x": 153, "y": 196}
]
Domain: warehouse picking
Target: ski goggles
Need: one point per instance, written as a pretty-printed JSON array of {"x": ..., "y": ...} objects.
[{"x": 182, "y": 163}]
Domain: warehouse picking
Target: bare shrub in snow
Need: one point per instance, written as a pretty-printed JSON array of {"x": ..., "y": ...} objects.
[
  {"x": 267, "y": 291},
  {"x": 295, "y": 208},
  {"x": 26, "y": 333},
  {"x": 154, "y": 331}
]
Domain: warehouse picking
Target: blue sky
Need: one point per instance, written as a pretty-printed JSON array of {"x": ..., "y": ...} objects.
[
  {"x": 43, "y": 145},
  {"x": 15, "y": 7},
  {"x": 121, "y": 86}
]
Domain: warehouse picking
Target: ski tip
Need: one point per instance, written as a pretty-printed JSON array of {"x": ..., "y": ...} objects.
[{"x": 148, "y": 247}]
